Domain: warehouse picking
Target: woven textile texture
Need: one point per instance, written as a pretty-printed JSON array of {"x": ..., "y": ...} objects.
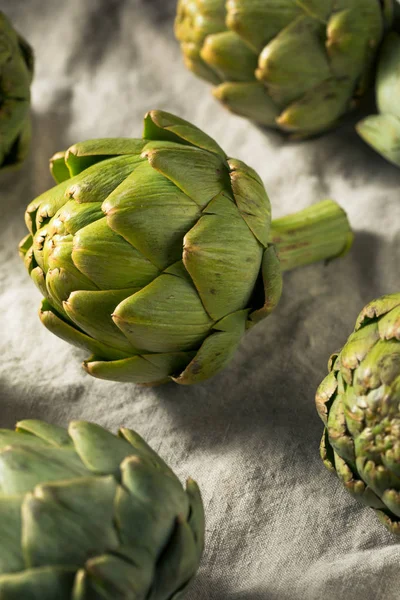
[{"x": 279, "y": 526}]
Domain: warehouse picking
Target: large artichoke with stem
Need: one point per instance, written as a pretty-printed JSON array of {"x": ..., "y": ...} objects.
[
  {"x": 382, "y": 131},
  {"x": 294, "y": 65},
  {"x": 359, "y": 402},
  {"x": 87, "y": 515},
  {"x": 156, "y": 254},
  {"x": 16, "y": 71}
]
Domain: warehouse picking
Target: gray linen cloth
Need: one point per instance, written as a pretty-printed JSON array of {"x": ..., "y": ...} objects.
[{"x": 279, "y": 526}]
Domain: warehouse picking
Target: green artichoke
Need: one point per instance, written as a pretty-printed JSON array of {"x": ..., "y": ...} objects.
[
  {"x": 155, "y": 254},
  {"x": 294, "y": 65},
  {"x": 382, "y": 131},
  {"x": 359, "y": 403},
  {"x": 87, "y": 515},
  {"x": 16, "y": 71}
]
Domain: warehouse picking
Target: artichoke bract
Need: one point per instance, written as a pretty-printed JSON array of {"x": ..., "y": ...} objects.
[
  {"x": 382, "y": 131},
  {"x": 297, "y": 66},
  {"x": 359, "y": 403},
  {"x": 156, "y": 254},
  {"x": 87, "y": 515},
  {"x": 16, "y": 72}
]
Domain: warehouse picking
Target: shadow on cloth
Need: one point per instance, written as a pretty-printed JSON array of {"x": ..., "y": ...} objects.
[
  {"x": 26, "y": 402},
  {"x": 13, "y": 407},
  {"x": 340, "y": 150},
  {"x": 160, "y": 11},
  {"x": 100, "y": 34},
  {"x": 205, "y": 586},
  {"x": 364, "y": 258}
]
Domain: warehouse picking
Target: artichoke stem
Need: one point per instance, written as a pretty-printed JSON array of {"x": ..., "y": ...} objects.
[{"x": 320, "y": 232}]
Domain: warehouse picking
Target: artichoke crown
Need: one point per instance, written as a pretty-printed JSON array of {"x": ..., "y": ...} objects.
[
  {"x": 297, "y": 65},
  {"x": 382, "y": 131},
  {"x": 16, "y": 72},
  {"x": 359, "y": 402},
  {"x": 148, "y": 253},
  {"x": 88, "y": 515}
]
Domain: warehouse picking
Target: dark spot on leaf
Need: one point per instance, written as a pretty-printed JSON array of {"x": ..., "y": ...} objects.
[{"x": 195, "y": 367}]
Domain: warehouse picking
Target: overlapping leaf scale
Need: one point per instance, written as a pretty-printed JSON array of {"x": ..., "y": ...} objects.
[
  {"x": 145, "y": 369},
  {"x": 23, "y": 467},
  {"x": 356, "y": 349},
  {"x": 173, "y": 184},
  {"x": 196, "y": 19},
  {"x": 258, "y": 22},
  {"x": 74, "y": 509},
  {"x": 199, "y": 18},
  {"x": 364, "y": 420},
  {"x": 339, "y": 436},
  {"x": 92, "y": 312},
  {"x": 380, "y": 366},
  {"x": 83, "y": 155},
  {"x": 251, "y": 199},
  {"x": 42, "y": 433},
  {"x": 162, "y": 126},
  {"x": 216, "y": 351},
  {"x": 152, "y": 214},
  {"x": 152, "y": 530},
  {"x": 165, "y": 316},
  {"x": 45, "y": 206},
  {"x": 62, "y": 276},
  {"x": 66, "y": 330},
  {"x": 111, "y": 577},
  {"x": 229, "y": 56},
  {"x": 99, "y": 450},
  {"x": 199, "y": 174},
  {"x": 382, "y": 132},
  {"x": 117, "y": 269},
  {"x": 108, "y": 260},
  {"x": 377, "y": 308},
  {"x": 356, "y": 486},
  {"x": 354, "y": 31},
  {"x": 286, "y": 79},
  {"x": 375, "y": 475},
  {"x": 45, "y": 583},
  {"x": 224, "y": 274},
  {"x": 54, "y": 244},
  {"x": 250, "y": 100},
  {"x": 334, "y": 44},
  {"x": 166, "y": 186},
  {"x": 388, "y": 81}
]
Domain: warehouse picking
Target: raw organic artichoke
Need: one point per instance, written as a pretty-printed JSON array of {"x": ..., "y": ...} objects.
[
  {"x": 16, "y": 71},
  {"x": 295, "y": 65},
  {"x": 155, "y": 254},
  {"x": 86, "y": 515},
  {"x": 382, "y": 131},
  {"x": 359, "y": 402}
]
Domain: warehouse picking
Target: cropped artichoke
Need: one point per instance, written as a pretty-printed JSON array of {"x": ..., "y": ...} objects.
[
  {"x": 382, "y": 131},
  {"x": 298, "y": 66},
  {"x": 155, "y": 254},
  {"x": 86, "y": 515},
  {"x": 16, "y": 71},
  {"x": 359, "y": 402}
]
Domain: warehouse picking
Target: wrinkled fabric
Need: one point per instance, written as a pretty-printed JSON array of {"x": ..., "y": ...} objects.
[{"x": 279, "y": 526}]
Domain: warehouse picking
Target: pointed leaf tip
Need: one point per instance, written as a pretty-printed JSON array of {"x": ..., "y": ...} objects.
[{"x": 163, "y": 126}]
